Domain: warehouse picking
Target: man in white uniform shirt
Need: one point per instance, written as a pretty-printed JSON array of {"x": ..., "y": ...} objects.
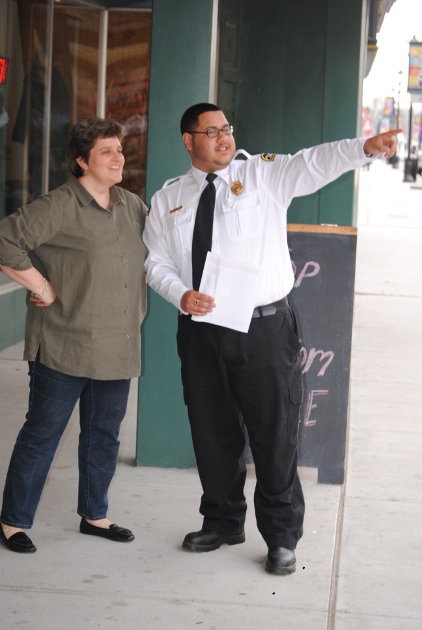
[{"x": 228, "y": 375}]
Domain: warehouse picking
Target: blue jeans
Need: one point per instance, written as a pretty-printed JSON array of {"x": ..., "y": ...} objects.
[{"x": 52, "y": 398}]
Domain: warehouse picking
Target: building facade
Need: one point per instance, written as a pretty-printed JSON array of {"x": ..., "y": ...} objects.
[{"x": 288, "y": 74}]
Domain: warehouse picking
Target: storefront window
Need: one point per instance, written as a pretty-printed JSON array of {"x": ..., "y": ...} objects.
[
  {"x": 128, "y": 58},
  {"x": 73, "y": 79},
  {"x": 23, "y": 39},
  {"x": 53, "y": 53}
]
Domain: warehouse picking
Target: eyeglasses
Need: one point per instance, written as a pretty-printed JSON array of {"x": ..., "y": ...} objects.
[{"x": 213, "y": 132}]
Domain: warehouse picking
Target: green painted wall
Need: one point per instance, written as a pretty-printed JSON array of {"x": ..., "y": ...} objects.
[
  {"x": 180, "y": 68},
  {"x": 293, "y": 82},
  {"x": 342, "y": 101}
]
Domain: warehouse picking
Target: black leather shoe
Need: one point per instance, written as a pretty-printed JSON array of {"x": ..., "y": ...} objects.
[
  {"x": 206, "y": 540},
  {"x": 281, "y": 561},
  {"x": 19, "y": 542},
  {"x": 114, "y": 532}
]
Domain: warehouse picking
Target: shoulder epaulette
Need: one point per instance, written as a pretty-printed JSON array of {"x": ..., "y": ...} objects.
[{"x": 169, "y": 182}]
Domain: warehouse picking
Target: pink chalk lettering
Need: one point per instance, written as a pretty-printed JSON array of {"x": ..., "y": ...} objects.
[
  {"x": 303, "y": 356},
  {"x": 307, "y": 422},
  {"x": 305, "y": 273},
  {"x": 327, "y": 356}
]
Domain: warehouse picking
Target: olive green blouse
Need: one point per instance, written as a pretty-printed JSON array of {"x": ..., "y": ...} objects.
[{"x": 94, "y": 259}]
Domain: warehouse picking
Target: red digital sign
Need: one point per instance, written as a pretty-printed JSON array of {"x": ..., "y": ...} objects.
[{"x": 3, "y": 69}]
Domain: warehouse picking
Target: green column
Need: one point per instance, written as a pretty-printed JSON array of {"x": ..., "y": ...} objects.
[
  {"x": 342, "y": 102},
  {"x": 180, "y": 76}
]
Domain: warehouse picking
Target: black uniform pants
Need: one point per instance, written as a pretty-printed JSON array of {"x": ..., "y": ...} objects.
[{"x": 229, "y": 375}]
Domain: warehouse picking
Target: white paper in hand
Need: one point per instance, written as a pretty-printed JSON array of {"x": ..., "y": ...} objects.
[{"x": 234, "y": 287}]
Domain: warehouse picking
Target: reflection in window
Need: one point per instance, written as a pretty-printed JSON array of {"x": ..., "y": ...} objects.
[
  {"x": 128, "y": 57},
  {"x": 74, "y": 79},
  {"x": 26, "y": 103},
  {"x": 72, "y": 94}
]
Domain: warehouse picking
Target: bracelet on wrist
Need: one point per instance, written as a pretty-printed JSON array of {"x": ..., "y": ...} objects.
[{"x": 39, "y": 296}]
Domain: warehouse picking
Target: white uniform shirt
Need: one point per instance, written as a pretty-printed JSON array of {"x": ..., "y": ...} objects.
[{"x": 249, "y": 227}]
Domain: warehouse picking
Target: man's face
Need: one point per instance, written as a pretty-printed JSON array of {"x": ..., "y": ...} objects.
[{"x": 210, "y": 154}]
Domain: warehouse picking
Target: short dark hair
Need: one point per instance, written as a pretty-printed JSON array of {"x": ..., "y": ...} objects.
[
  {"x": 189, "y": 120},
  {"x": 83, "y": 135}
]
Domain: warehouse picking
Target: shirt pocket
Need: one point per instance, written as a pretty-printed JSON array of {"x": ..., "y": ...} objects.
[
  {"x": 243, "y": 216},
  {"x": 178, "y": 229}
]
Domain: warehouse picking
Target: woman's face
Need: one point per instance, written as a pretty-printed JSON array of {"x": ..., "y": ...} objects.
[{"x": 105, "y": 162}]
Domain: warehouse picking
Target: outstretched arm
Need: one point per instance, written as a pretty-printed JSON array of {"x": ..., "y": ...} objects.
[{"x": 382, "y": 144}]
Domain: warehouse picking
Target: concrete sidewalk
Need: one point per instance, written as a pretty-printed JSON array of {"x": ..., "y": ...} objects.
[{"x": 359, "y": 564}]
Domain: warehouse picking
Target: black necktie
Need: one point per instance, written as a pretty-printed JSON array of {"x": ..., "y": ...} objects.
[{"x": 202, "y": 232}]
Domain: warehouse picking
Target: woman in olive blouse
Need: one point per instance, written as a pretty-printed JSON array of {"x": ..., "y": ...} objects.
[{"x": 78, "y": 251}]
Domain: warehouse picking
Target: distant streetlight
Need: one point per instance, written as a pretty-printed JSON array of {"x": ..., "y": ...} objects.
[
  {"x": 398, "y": 101},
  {"x": 395, "y": 158}
]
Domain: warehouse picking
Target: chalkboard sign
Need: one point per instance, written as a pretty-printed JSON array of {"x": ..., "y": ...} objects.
[{"x": 324, "y": 260}]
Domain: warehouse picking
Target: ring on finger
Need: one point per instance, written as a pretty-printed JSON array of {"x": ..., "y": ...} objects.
[{"x": 196, "y": 302}]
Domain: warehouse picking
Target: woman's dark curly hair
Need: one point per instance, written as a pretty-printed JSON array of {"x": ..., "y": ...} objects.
[{"x": 83, "y": 136}]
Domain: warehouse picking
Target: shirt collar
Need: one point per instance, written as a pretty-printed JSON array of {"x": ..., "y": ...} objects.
[
  {"x": 199, "y": 176},
  {"x": 85, "y": 198}
]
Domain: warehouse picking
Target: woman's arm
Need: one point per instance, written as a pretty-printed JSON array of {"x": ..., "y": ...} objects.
[{"x": 42, "y": 293}]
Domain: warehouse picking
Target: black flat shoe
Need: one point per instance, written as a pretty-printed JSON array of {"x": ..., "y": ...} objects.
[
  {"x": 114, "y": 532},
  {"x": 18, "y": 542},
  {"x": 280, "y": 561},
  {"x": 206, "y": 540}
]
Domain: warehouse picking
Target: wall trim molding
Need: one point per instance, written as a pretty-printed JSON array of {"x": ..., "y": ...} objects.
[{"x": 8, "y": 287}]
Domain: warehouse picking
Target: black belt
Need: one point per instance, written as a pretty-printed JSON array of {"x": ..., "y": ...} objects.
[{"x": 270, "y": 309}]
